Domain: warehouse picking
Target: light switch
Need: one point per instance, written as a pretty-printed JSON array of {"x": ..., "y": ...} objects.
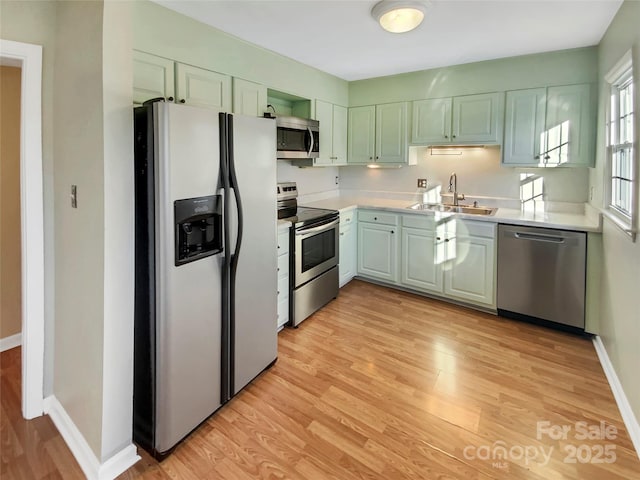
[{"x": 74, "y": 196}]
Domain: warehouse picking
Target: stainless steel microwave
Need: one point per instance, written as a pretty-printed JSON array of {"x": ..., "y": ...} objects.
[{"x": 298, "y": 137}]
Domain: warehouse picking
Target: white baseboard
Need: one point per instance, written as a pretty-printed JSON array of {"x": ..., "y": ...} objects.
[
  {"x": 7, "y": 343},
  {"x": 81, "y": 450},
  {"x": 628, "y": 417}
]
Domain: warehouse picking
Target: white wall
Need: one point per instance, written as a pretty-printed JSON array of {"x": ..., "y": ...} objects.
[
  {"x": 79, "y": 233},
  {"x": 117, "y": 368},
  {"x": 479, "y": 174},
  {"x": 620, "y": 311}
]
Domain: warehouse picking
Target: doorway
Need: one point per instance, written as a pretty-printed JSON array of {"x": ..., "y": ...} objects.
[{"x": 28, "y": 58}]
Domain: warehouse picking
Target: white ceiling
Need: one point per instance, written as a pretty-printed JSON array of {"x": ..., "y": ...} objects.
[{"x": 341, "y": 37}]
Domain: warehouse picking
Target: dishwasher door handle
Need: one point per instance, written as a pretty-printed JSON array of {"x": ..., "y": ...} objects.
[{"x": 538, "y": 237}]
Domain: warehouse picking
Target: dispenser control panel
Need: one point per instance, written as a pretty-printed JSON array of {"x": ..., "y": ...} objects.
[{"x": 198, "y": 228}]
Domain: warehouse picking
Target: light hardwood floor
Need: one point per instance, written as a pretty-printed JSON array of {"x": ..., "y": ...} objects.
[{"x": 386, "y": 385}]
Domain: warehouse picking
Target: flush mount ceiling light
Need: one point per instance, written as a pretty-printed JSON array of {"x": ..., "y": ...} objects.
[{"x": 399, "y": 16}]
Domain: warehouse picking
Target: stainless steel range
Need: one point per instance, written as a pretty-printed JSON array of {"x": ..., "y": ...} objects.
[{"x": 314, "y": 258}]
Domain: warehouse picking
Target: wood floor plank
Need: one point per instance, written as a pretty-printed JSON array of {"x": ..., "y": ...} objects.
[{"x": 378, "y": 385}]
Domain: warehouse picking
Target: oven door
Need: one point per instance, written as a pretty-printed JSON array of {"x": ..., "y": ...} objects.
[{"x": 316, "y": 250}]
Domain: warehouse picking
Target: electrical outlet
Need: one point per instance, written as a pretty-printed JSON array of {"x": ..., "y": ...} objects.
[
  {"x": 336, "y": 180},
  {"x": 591, "y": 193},
  {"x": 422, "y": 183}
]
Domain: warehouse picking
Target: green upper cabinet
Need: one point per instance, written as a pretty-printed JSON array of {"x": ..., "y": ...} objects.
[
  {"x": 524, "y": 126},
  {"x": 477, "y": 118},
  {"x": 249, "y": 98},
  {"x": 378, "y": 134},
  {"x": 468, "y": 119},
  {"x": 431, "y": 121},
  {"x": 361, "y": 134},
  {"x": 570, "y": 127},
  {"x": 549, "y": 127},
  {"x": 391, "y": 133},
  {"x": 153, "y": 77},
  {"x": 203, "y": 88},
  {"x": 333, "y": 134}
]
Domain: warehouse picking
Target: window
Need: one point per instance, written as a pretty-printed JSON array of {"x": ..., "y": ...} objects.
[{"x": 622, "y": 169}]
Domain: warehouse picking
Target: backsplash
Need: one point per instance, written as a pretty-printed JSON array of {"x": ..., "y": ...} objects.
[
  {"x": 309, "y": 180},
  {"x": 479, "y": 174}
]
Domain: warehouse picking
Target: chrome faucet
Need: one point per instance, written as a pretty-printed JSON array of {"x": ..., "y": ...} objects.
[{"x": 453, "y": 188}]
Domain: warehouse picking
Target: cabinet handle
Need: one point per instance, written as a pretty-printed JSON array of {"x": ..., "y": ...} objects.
[
  {"x": 453, "y": 136},
  {"x": 438, "y": 238},
  {"x": 348, "y": 220},
  {"x": 170, "y": 99},
  {"x": 446, "y": 239},
  {"x": 375, "y": 218},
  {"x": 182, "y": 100},
  {"x": 278, "y": 247},
  {"x": 342, "y": 234},
  {"x": 370, "y": 158},
  {"x": 377, "y": 158},
  {"x": 547, "y": 157},
  {"x": 278, "y": 268},
  {"x": 392, "y": 232},
  {"x": 537, "y": 157}
]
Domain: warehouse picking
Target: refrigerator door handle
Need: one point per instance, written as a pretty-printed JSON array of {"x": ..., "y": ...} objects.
[
  {"x": 233, "y": 183},
  {"x": 225, "y": 392}
]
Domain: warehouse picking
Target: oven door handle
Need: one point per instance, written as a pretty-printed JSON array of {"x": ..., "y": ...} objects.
[{"x": 319, "y": 228}]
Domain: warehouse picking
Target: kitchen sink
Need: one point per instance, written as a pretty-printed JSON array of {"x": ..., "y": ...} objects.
[{"x": 440, "y": 207}]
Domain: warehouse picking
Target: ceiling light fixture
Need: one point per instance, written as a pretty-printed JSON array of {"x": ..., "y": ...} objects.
[{"x": 399, "y": 16}]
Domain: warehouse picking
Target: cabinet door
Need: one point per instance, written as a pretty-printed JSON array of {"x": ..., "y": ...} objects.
[
  {"x": 377, "y": 251},
  {"x": 431, "y": 121},
  {"x": 203, "y": 88},
  {"x": 339, "y": 135},
  {"x": 153, "y": 77},
  {"x": 569, "y": 126},
  {"x": 347, "y": 265},
  {"x": 249, "y": 98},
  {"x": 470, "y": 269},
  {"x": 361, "y": 134},
  {"x": 324, "y": 114},
  {"x": 524, "y": 126},
  {"x": 391, "y": 133},
  {"x": 418, "y": 261},
  {"x": 477, "y": 118}
]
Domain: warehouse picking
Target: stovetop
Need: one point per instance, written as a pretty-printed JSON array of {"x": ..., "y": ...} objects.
[{"x": 302, "y": 216}]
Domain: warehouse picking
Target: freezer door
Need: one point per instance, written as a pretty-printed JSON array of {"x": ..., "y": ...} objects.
[
  {"x": 188, "y": 301},
  {"x": 254, "y": 327}
]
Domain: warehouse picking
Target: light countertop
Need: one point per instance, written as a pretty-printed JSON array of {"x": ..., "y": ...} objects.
[{"x": 589, "y": 222}]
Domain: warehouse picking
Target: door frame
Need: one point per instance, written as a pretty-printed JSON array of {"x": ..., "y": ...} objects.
[{"x": 29, "y": 58}]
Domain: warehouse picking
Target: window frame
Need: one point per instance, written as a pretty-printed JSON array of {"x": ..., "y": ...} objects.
[{"x": 617, "y": 79}]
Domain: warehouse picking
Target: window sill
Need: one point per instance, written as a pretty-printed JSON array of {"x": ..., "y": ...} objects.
[{"x": 620, "y": 223}]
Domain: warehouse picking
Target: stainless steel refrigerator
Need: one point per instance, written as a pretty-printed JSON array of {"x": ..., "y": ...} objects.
[{"x": 206, "y": 267}]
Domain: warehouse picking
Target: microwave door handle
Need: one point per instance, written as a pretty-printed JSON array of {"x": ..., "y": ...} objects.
[{"x": 310, "y": 141}]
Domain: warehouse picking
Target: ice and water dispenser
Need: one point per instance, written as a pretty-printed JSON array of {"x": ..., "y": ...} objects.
[{"x": 198, "y": 228}]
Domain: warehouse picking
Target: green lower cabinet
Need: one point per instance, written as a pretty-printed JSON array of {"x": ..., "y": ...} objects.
[
  {"x": 378, "y": 251},
  {"x": 470, "y": 270},
  {"x": 419, "y": 268},
  {"x": 452, "y": 258}
]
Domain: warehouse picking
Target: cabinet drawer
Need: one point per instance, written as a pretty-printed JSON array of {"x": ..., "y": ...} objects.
[
  {"x": 381, "y": 218},
  {"x": 283, "y": 288},
  {"x": 346, "y": 216},
  {"x": 283, "y": 242},
  {"x": 283, "y": 266},
  {"x": 283, "y": 312},
  {"x": 473, "y": 228},
  {"x": 419, "y": 221}
]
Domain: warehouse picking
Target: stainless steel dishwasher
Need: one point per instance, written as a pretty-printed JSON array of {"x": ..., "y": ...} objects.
[{"x": 541, "y": 275}]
